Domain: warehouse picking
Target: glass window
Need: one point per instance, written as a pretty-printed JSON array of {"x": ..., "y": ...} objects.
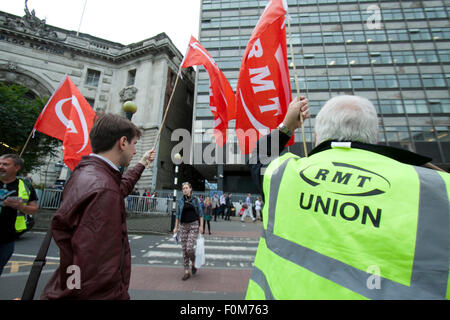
[
  {"x": 435, "y": 13},
  {"x": 201, "y": 112},
  {"x": 411, "y": 14},
  {"x": 93, "y": 77},
  {"x": 397, "y": 35},
  {"x": 444, "y": 55},
  {"x": 91, "y": 102},
  {"x": 131, "y": 77},
  {"x": 428, "y": 56},
  {"x": 386, "y": 81},
  {"x": 394, "y": 14},
  {"x": 433, "y": 80}
]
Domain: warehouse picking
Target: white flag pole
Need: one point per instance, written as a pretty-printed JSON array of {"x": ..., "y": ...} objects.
[
  {"x": 166, "y": 112},
  {"x": 81, "y": 19},
  {"x": 167, "y": 109},
  {"x": 296, "y": 81}
]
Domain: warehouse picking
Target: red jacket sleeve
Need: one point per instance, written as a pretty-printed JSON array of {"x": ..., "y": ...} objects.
[{"x": 129, "y": 179}]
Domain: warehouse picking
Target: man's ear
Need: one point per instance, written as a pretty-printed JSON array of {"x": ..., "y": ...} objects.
[{"x": 122, "y": 142}]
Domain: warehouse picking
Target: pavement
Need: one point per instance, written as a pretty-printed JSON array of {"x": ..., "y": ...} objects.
[{"x": 157, "y": 264}]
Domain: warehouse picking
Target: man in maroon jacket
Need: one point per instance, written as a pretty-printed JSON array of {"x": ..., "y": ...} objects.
[{"x": 90, "y": 226}]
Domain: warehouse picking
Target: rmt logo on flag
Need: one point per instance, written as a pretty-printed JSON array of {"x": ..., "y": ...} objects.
[
  {"x": 68, "y": 117},
  {"x": 263, "y": 92}
]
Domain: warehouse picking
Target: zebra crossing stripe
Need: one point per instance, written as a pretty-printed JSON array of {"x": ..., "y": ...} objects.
[
  {"x": 228, "y": 241},
  {"x": 209, "y": 248},
  {"x": 209, "y": 256}
]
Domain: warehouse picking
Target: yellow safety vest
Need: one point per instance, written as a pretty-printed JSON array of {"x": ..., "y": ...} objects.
[
  {"x": 24, "y": 194},
  {"x": 352, "y": 224}
]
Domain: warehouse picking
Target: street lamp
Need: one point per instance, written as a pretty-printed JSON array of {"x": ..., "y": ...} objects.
[
  {"x": 177, "y": 157},
  {"x": 130, "y": 108}
]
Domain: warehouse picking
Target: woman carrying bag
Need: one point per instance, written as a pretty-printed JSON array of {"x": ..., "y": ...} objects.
[{"x": 189, "y": 220}]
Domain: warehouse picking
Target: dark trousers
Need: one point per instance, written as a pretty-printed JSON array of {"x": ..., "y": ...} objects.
[
  {"x": 222, "y": 210},
  {"x": 209, "y": 226},
  {"x": 6, "y": 251},
  {"x": 227, "y": 217},
  {"x": 215, "y": 213}
]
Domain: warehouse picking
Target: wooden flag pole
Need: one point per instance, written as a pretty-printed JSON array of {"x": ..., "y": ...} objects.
[
  {"x": 296, "y": 83},
  {"x": 167, "y": 110},
  {"x": 26, "y": 143}
]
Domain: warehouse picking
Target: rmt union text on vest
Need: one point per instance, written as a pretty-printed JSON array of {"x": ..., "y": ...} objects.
[{"x": 347, "y": 210}]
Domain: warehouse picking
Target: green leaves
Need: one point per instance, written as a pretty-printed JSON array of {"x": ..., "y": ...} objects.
[{"x": 19, "y": 110}]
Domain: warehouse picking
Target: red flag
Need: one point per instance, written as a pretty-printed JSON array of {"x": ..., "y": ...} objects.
[
  {"x": 263, "y": 91},
  {"x": 221, "y": 96},
  {"x": 68, "y": 117}
]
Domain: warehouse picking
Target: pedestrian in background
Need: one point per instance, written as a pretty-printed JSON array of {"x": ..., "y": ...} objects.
[
  {"x": 207, "y": 212},
  {"x": 189, "y": 220},
  {"x": 248, "y": 209},
  {"x": 223, "y": 204},
  {"x": 215, "y": 205},
  {"x": 229, "y": 204},
  {"x": 258, "y": 208},
  {"x": 90, "y": 226},
  {"x": 17, "y": 198}
]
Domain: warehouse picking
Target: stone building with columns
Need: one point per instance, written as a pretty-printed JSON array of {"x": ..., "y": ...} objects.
[{"x": 38, "y": 56}]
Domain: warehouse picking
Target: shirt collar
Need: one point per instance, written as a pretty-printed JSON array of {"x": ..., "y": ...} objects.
[{"x": 106, "y": 160}]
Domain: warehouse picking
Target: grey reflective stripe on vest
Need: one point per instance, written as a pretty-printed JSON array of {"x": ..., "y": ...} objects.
[
  {"x": 431, "y": 255},
  {"x": 260, "y": 279},
  {"x": 431, "y": 259},
  {"x": 257, "y": 275}
]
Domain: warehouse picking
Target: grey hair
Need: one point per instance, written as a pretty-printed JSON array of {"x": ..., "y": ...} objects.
[
  {"x": 347, "y": 118},
  {"x": 18, "y": 161}
]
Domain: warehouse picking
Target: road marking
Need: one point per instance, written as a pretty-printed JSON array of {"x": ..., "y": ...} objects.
[
  {"x": 241, "y": 241},
  {"x": 15, "y": 265},
  {"x": 207, "y": 247},
  {"x": 154, "y": 261},
  {"x": 33, "y": 256},
  {"x": 211, "y": 256},
  {"x": 25, "y": 273}
]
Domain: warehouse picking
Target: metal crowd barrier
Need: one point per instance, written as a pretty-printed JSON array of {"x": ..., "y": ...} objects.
[
  {"x": 142, "y": 204},
  {"x": 51, "y": 199}
]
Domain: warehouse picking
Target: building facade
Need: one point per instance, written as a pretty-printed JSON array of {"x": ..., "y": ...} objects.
[
  {"x": 395, "y": 53},
  {"x": 38, "y": 56}
]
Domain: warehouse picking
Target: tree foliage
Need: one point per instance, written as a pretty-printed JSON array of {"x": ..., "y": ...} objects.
[{"x": 19, "y": 110}]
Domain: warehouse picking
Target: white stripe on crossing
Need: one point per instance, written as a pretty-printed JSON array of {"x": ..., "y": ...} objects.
[
  {"x": 208, "y": 247},
  {"x": 246, "y": 241},
  {"x": 212, "y": 256}
]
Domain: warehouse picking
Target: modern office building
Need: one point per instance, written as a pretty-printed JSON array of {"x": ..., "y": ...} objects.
[
  {"x": 395, "y": 53},
  {"x": 38, "y": 56}
]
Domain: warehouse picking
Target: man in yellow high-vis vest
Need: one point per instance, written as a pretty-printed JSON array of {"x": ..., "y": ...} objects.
[
  {"x": 16, "y": 200},
  {"x": 354, "y": 220}
]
